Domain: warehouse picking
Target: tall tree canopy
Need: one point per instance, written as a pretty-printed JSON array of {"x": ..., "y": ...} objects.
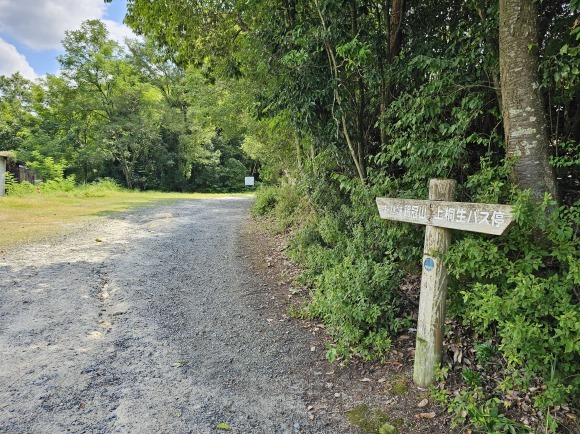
[
  {"x": 129, "y": 113},
  {"x": 349, "y": 71}
]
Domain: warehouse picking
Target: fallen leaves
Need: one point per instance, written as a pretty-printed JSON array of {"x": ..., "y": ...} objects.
[
  {"x": 423, "y": 403},
  {"x": 223, "y": 426},
  {"x": 430, "y": 415}
]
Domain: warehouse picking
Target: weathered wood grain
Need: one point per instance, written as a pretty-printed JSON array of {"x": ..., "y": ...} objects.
[
  {"x": 440, "y": 215},
  {"x": 433, "y": 292},
  {"x": 465, "y": 216}
]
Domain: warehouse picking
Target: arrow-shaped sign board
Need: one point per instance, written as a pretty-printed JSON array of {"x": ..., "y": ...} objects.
[{"x": 464, "y": 216}]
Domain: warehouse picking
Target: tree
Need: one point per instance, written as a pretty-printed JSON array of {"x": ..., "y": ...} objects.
[
  {"x": 177, "y": 132},
  {"x": 16, "y": 118},
  {"x": 133, "y": 132},
  {"x": 64, "y": 132},
  {"x": 524, "y": 116},
  {"x": 91, "y": 69},
  {"x": 192, "y": 31},
  {"x": 117, "y": 111}
]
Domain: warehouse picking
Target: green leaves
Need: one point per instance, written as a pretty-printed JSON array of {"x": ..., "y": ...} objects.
[
  {"x": 46, "y": 167},
  {"x": 137, "y": 118},
  {"x": 355, "y": 53},
  {"x": 522, "y": 290}
]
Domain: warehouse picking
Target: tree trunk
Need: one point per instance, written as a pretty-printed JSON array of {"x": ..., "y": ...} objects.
[
  {"x": 395, "y": 29},
  {"x": 127, "y": 173},
  {"x": 392, "y": 16},
  {"x": 524, "y": 116},
  {"x": 343, "y": 120}
]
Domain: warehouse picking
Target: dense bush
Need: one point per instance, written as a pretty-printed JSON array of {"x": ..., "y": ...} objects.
[
  {"x": 519, "y": 290},
  {"x": 522, "y": 288},
  {"x": 56, "y": 186},
  {"x": 284, "y": 204},
  {"x": 46, "y": 167},
  {"x": 357, "y": 300},
  {"x": 266, "y": 198},
  {"x": 350, "y": 260}
]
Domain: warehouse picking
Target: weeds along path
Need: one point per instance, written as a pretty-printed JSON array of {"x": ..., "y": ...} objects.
[{"x": 149, "y": 321}]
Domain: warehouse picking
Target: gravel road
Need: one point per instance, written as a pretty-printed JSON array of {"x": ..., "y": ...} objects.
[{"x": 150, "y": 321}]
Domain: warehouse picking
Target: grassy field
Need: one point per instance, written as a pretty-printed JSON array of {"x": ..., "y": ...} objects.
[{"x": 35, "y": 217}]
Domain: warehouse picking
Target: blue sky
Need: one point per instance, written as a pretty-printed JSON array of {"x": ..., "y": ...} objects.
[{"x": 31, "y": 31}]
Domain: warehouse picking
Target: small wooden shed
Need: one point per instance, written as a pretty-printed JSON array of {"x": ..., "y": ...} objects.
[{"x": 3, "y": 159}]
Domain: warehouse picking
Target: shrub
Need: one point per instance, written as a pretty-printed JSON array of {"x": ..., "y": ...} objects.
[
  {"x": 357, "y": 302},
  {"x": 14, "y": 188},
  {"x": 352, "y": 265},
  {"x": 522, "y": 287},
  {"x": 266, "y": 198},
  {"x": 46, "y": 167},
  {"x": 99, "y": 188},
  {"x": 283, "y": 203}
]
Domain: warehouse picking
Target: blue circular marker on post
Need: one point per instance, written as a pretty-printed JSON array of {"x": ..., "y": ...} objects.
[{"x": 429, "y": 264}]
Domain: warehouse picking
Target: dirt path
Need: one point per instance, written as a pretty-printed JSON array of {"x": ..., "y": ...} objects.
[{"x": 150, "y": 321}]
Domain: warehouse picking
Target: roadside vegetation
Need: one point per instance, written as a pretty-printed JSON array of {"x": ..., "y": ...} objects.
[
  {"x": 330, "y": 104},
  {"x": 511, "y": 363}
]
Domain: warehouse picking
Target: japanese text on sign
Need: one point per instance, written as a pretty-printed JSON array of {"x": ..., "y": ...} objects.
[
  {"x": 411, "y": 211},
  {"x": 476, "y": 217}
]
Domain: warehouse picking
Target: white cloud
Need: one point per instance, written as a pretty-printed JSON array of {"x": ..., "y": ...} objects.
[
  {"x": 35, "y": 26},
  {"x": 40, "y": 24},
  {"x": 118, "y": 32},
  {"x": 13, "y": 61}
]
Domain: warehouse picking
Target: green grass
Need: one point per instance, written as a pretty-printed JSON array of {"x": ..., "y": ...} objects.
[{"x": 33, "y": 217}]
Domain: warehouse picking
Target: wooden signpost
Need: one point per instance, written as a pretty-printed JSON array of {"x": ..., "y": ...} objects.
[{"x": 440, "y": 215}]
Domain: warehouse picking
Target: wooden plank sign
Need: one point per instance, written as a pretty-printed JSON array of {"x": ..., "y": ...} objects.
[
  {"x": 464, "y": 216},
  {"x": 440, "y": 215}
]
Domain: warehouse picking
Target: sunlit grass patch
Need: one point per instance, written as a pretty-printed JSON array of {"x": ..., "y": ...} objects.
[{"x": 34, "y": 217}]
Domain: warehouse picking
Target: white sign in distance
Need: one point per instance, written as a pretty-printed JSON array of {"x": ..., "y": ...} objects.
[
  {"x": 249, "y": 181},
  {"x": 464, "y": 216}
]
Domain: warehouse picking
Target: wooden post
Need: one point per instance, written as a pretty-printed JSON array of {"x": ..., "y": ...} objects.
[
  {"x": 3, "y": 158},
  {"x": 433, "y": 291},
  {"x": 440, "y": 215}
]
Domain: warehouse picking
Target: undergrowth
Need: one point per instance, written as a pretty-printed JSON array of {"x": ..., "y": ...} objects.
[
  {"x": 60, "y": 186},
  {"x": 520, "y": 290}
]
